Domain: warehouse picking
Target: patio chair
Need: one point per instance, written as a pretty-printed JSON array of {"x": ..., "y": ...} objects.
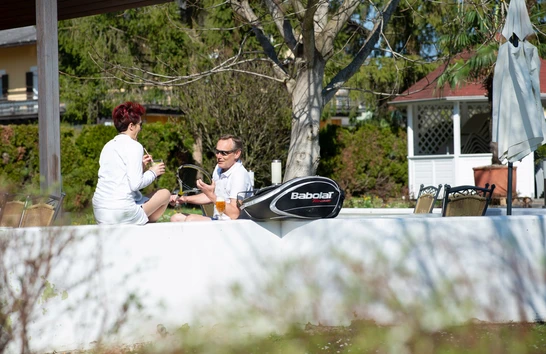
[
  {"x": 40, "y": 214},
  {"x": 426, "y": 199},
  {"x": 43, "y": 212},
  {"x": 12, "y": 211},
  {"x": 466, "y": 200}
]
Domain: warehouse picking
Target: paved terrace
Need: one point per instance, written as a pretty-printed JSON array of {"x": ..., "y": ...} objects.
[{"x": 382, "y": 264}]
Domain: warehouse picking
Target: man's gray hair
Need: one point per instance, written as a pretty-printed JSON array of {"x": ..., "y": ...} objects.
[{"x": 237, "y": 142}]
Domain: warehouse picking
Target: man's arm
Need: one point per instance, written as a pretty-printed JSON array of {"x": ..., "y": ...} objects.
[
  {"x": 232, "y": 210},
  {"x": 198, "y": 199}
]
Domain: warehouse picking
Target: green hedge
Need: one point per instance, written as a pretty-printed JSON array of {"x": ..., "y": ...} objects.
[
  {"x": 370, "y": 160},
  {"x": 80, "y": 151}
]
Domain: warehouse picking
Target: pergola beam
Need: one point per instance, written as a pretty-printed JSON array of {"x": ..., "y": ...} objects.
[{"x": 48, "y": 96}]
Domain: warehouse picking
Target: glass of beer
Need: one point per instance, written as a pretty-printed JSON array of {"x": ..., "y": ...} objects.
[{"x": 220, "y": 205}]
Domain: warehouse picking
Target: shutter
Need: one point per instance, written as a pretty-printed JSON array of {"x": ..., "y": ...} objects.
[
  {"x": 5, "y": 85},
  {"x": 30, "y": 82}
]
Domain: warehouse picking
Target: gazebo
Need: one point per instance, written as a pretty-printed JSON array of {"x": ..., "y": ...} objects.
[{"x": 448, "y": 132}]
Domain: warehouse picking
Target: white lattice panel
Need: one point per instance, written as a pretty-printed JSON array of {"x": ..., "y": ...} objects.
[
  {"x": 476, "y": 108},
  {"x": 434, "y": 128}
]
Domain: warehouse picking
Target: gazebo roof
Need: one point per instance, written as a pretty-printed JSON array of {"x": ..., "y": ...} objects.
[{"x": 426, "y": 89}]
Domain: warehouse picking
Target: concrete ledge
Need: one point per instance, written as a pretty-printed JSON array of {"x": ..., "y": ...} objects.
[{"x": 267, "y": 275}]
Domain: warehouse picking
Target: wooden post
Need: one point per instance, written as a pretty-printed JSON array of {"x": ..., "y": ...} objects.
[{"x": 48, "y": 96}]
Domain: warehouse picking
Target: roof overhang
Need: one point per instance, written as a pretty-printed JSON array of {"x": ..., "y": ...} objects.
[
  {"x": 441, "y": 99},
  {"x": 20, "y": 13},
  {"x": 448, "y": 99}
]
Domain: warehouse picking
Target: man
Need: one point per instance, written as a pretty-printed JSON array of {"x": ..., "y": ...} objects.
[{"x": 228, "y": 179}]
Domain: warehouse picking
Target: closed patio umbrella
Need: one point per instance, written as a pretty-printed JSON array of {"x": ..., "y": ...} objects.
[{"x": 519, "y": 126}]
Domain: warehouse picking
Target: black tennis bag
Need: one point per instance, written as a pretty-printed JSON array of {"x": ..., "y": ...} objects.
[{"x": 311, "y": 197}]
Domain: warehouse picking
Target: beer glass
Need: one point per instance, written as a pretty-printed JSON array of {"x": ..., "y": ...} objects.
[{"x": 220, "y": 206}]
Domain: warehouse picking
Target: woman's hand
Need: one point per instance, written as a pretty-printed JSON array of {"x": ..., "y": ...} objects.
[
  {"x": 158, "y": 168},
  {"x": 176, "y": 200},
  {"x": 146, "y": 159}
]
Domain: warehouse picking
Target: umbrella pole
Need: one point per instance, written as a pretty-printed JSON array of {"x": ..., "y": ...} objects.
[{"x": 509, "y": 197}]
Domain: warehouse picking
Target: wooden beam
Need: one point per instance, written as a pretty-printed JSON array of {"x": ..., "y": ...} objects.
[
  {"x": 48, "y": 96},
  {"x": 20, "y": 13}
]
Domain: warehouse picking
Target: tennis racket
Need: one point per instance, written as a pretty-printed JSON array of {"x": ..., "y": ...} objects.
[{"x": 188, "y": 175}]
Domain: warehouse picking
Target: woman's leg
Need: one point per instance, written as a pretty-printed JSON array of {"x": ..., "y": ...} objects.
[{"x": 155, "y": 207}]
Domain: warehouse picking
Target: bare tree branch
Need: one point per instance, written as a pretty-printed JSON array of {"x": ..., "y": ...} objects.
[
  {"x": 325, "y": 42},
  {"x": 346, "y": 73}
]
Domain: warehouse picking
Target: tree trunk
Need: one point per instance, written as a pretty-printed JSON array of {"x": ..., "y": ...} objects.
[
  {"x": 197, "y": 153},
  {"x": 307, "y": 105}
]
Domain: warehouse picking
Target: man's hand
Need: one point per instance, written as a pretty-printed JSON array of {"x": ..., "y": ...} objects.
[{"x": 207, "y": 189}]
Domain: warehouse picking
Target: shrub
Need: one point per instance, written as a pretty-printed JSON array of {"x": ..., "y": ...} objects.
[{"x": 368, "y": 160}]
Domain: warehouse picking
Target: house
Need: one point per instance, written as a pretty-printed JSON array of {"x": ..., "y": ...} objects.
[
  {"x": 19, "y": 73},
  {"x": 448, "y": 134},
  {"x": 19, "y": 81}
]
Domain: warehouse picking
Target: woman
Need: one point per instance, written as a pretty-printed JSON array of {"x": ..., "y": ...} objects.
[{"x": 117, "y": 199}]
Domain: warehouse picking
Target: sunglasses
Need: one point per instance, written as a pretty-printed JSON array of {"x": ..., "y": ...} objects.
[{"x": 222, "y": 152}]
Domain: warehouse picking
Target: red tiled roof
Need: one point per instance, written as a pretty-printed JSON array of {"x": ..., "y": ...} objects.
[{"x": 426, "y": 88}]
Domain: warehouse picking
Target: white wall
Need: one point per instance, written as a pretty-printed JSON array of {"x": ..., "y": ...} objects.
[{"x": 442, "y": 270}]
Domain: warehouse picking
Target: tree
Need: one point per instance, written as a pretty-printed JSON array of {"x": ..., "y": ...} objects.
[
  {"x": 157, "y": 42},
  {"x": 297, "y": 39},
  {"x": 308, "y": 31}
]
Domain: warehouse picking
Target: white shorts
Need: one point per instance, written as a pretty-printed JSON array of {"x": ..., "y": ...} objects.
[{"x": 135, "y": 215}]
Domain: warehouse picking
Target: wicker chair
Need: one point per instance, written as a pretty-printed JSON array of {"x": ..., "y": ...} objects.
[
  {"x": 34, "y": 211},
  {"x": 466, "y": 200},
  {"x": 426, "y": 199},
  {"x": 12, "y": 213},
  {"x": 40, "y": 214}
]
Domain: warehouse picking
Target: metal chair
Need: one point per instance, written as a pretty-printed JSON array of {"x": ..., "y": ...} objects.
[
  {"x": 466, "y": 200},
  {"x": 426, "y": 199}
]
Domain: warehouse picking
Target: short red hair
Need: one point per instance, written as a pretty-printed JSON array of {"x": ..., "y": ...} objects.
[{"x": 127, "y": 113}]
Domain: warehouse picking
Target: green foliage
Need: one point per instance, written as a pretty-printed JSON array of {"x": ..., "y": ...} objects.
[
  {"x": 474, "y": 29},
  {"x": 243, "y": 105},
  {"x": 20, "y": 158},
  {"x": 80, "y": 152},
  {"x": 364, "y": 202},
  {"x": 170, "y": 142},
  {"x": 370, "y": 160}
]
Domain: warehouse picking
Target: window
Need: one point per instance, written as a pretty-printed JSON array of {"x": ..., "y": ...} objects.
[
  {"x": 4, "y": 85},
  {"x": 32, "y": 83}
]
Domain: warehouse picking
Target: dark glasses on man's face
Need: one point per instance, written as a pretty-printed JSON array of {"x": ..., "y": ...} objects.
[{"x": 223, "y": 152}]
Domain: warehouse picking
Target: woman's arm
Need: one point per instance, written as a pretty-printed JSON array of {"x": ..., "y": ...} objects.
[{"x": 134, "y": 158}]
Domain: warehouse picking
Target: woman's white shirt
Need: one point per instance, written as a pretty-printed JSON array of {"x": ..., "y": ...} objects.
[{"x": 121, "y": 176}]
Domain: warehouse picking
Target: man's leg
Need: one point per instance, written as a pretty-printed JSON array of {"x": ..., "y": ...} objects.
[
  {"x": 197, "y": 217},
  {"x": 155, "y": 207},
  {"x": 178, "y": 217}
]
